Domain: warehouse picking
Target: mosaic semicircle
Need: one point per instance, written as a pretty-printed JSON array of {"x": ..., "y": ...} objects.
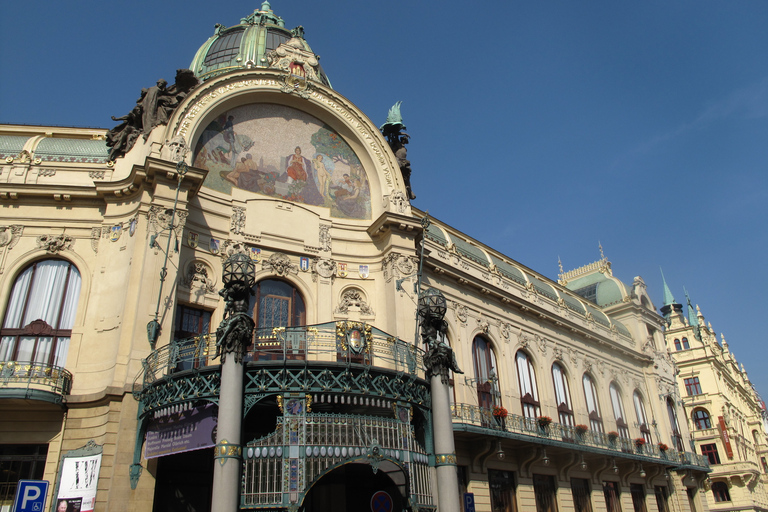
[{"x": 284, "y": 153}]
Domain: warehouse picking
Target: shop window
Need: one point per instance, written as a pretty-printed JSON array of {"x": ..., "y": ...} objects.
[
  {"x": 562, "y": 395},
  {"x": 710, "y": 452},
  {"x": 545, "y": 489},
  {"x": 618, "y": 410},
  {"x": 19, "y": 462},
  {"x": 485, "y": 372},
  {"x": 692, "y": 386},
  {"x": 41, "y": 312},
  {"x": 191, "y": 326},
  {"x": 278, "y": 304},
  {"x": 642, "y": 418},
  {"x": 720, "y": 492},
  {"x": 503, "y": 489},
  {"x": 526, "y": 378},
  {"x": 701, "y": 419},
  {"x": 611, "y": 495},
  {"x": 582, "y": 495},
  {"x": 593, "y": 404},
  {"x": 638, "y": 497},
  {"x": 662, "y": 498}
]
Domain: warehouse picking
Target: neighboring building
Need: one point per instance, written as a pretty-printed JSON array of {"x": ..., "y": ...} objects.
[
  {"x": 723, "y": 410},
  {"x": 264, "y": 158}
]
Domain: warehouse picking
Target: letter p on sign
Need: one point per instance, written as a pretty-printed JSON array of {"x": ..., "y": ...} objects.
[{"x": 30, "y": 496}]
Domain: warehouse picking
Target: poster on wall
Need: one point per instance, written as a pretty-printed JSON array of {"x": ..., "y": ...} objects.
[
  {"x": 78, "y": 479},
  {"x": 283, "y": 153}
]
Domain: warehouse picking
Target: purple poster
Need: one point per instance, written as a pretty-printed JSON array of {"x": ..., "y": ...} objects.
[{"x": 184, "y": 431}]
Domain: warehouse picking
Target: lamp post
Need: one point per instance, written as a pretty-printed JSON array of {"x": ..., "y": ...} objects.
[
  {"x": 232, "y": 337},
  {"x": 438, "y": 360}
]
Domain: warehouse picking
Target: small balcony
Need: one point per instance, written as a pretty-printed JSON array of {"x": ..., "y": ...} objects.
[
  {"x": 472, "y": 418},
  {"x": 34, "y": 381}
]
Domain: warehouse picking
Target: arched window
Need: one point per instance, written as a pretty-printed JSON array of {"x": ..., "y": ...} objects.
[
  {"x": 485, "y": 372},
  {"x": 701, "y": 419},
  {"x": 593, "y": 405},
  {"x": 40, "y": 314},
  {"x": 642, "y": 419},
  {"x": 563, "y": 395},
  {"x": 526, "y": 378},
  {"x": 686, "y": 346},
  {"x": 618, "y": 411},
  {"x": 677, "y": 344},
  {"x": 720, "y": 492},
  {"x": 278, "y": 304},
  {"x": 677, "y": 439}
]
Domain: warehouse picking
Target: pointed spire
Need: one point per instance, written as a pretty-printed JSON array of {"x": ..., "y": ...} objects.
[
  {"x": 669, "y": 301},
  {"x": 693, "y": 319}
]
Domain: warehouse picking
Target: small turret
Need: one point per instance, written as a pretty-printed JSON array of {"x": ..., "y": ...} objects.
[{"x": 670, "y": 306}]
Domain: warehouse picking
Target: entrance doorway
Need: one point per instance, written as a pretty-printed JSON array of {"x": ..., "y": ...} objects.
[{"x": 354, "y": 487}]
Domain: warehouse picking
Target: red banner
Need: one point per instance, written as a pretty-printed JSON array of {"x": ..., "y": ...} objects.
[{"x": 725, "y": 437}]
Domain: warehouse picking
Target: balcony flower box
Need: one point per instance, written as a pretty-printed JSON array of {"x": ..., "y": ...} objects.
[
  {"x": 544, "y": 421},
  {"x": 663, "y": 448},
  {"x": 499, "y": 412},
  {"x": 581, "y": 429}
]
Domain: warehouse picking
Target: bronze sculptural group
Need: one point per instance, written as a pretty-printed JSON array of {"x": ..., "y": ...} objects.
[{"x": 153, "y": 108}]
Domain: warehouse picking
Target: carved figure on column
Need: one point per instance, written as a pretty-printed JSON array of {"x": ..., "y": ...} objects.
[
  {"x": 439, "y": 358},
  {"x": 236, "y": 330},
  {"x": 394, "y": 131}
]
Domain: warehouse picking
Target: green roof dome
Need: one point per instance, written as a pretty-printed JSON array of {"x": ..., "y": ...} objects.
[{"x": 252, "y": 44}]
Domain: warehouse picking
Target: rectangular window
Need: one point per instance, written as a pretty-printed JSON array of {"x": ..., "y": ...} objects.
[
  {"x": 691, "y": 491},
  {"x": 765, "y": 464},
  {"x": 710, "y": 452},
  {"x": 638, "y": 497},
  {"x": 19, "y": 462},
  {"x": 692, "y": 386},
  {"x": 502, "y": 485},
  {"x": 581, "y": 495},
  {"x": 661, "y": 498},
  {"x": 544, "y": 488},
  {"x": 611, "y": 494}
]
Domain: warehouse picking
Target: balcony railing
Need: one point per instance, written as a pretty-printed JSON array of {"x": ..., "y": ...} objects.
[
  {"x": 34, "y": 377},
  {"x": 335, "y": 342},
  {"x": 516, "y": 424}
]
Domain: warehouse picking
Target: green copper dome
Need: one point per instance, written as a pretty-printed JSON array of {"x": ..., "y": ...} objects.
[{"x": 250, "y": 45}]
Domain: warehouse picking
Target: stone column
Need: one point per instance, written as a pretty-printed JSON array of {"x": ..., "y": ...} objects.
[
  {"x": 438, "y": 360},
  {"x": 232, "y": 336}
]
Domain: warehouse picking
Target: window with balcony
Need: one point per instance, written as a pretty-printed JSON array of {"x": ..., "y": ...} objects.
[
  {"x": 677, "y": 438},
  {"x": 618, "y": 411},
  {"x": 526, "y": 378},
  {"x": 701, "y": 419},
  {"x": 562, "y": 395},
  {"x": 692, "y": 386},
  {"x": 191, "y": 326},
  {"x": 485, "y": 372},
  {"x": 642, "y": 418},
  {"x": 278, "y": 304},
  {"x": 593, "y": 404},
  {"x": 720, "y": 492},
  {"x": 710, "y": 452},
  {"x": 41, "y": 312}
]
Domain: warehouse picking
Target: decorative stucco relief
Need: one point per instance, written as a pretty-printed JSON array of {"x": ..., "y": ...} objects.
[
  {"x": 9, "y": 235},
  {"x": 323, "y": 267},
  {"x": 237, "y": 223},
  {"x": 55, "y": 243},
  {"x": 199, "y": 275},
  {"x": 353, "y": 298},
  {"x": 325, "y": 237},
  {"x": 280, "y": 264}
]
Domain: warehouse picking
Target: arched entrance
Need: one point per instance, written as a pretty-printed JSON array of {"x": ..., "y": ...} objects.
[{"x": 355, "y": 487}]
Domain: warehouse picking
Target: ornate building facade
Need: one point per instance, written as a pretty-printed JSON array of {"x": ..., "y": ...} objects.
[
  {"x": 725, "y": 414},
  {"x": 112, "y": 252}
]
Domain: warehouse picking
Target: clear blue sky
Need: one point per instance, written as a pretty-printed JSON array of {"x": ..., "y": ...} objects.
[{"x": 539, "y": 128}]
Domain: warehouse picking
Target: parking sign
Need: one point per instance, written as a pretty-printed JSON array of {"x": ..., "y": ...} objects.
[
  {"x": 469, "y": 502},
  {"x": 30, "y": 496}
]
